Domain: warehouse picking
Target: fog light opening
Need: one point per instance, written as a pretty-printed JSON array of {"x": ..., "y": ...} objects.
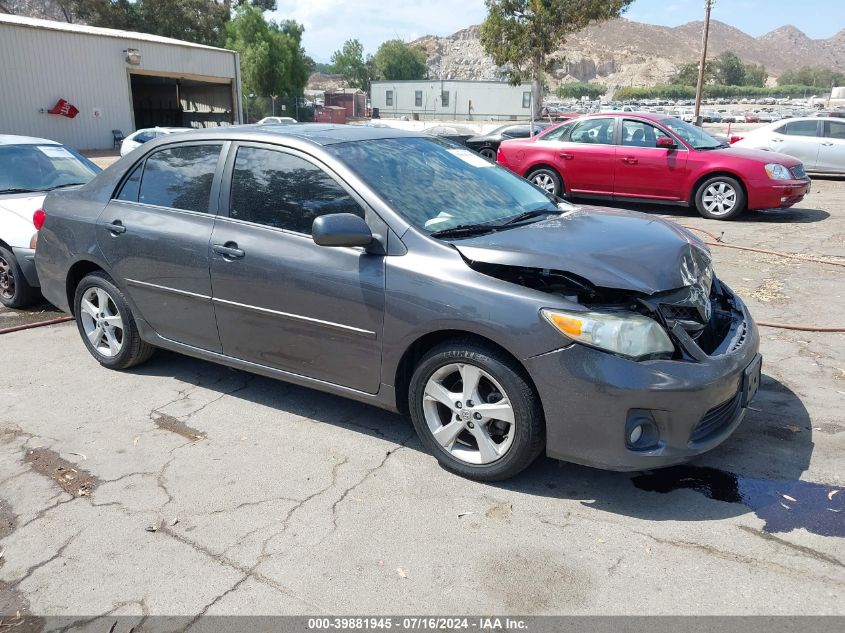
[{"x": 641, "y": 432}]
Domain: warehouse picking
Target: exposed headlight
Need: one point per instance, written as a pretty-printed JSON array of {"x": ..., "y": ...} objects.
[
  {"x": 631, "y": 335},
  {"x": 778, "y": 172}
]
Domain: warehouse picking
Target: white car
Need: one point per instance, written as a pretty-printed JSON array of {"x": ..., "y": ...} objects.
[
  {"x": 139, "y": 137},
  {"x": 277, "y": 120},
  {"x": 29, "y": 168},
  {"x": 818, "y": 142}
]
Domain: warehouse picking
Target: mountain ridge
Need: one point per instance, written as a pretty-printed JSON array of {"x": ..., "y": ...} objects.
[{"x": 623, "y": 52}]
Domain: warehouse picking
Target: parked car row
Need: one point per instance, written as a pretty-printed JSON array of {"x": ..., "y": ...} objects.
[{"x": 405, "y": 271}]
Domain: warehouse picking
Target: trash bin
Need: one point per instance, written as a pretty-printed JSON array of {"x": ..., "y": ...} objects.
[
  {"x": 416, "y": 116},
  {"x": 375, "y": 113}
]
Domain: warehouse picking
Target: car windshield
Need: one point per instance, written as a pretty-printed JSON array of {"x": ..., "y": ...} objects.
[
  {"x": 29, "y": 168},
  {"x": 693, "y": 136},
  {"x": 437, "y": 185}
]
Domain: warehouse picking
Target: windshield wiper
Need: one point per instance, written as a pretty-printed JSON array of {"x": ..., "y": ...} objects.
[
  {"x": 528, "y": 215},
  {"x": 16, "y": 190},
  {"x": 465, "y": 230},
  {"x": 67, "y": 184}
]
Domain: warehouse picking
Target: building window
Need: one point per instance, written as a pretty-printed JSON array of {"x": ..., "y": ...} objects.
[
  {"x": 418, "y": 99},
  {"x": 444, "y": 98},
  {"x": 388, "y": 98},
  {"x": 526, "y": 99}
]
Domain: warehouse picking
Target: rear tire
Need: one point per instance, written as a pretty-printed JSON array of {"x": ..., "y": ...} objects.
[
  {"x": 548, "y": 180},
  {"x": 15, "y": 291},
  {"x": 489, "y": 431},
  {"x": 106, "y": 324},
  {"x": 720, "y": 198}
]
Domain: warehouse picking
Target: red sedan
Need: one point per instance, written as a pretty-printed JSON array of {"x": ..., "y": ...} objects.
[{"x": 636, "y": 157}]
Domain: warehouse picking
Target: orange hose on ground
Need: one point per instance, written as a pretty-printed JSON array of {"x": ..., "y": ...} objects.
[
  {"x": 29, "y": 326},
  {"x": 800, "y": 327}
]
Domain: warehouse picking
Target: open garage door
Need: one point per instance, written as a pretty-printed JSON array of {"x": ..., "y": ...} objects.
[{"x": 174, "y": 102}]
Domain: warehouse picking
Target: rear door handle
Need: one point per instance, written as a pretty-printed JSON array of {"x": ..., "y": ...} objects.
[
  {"x": 229, "y": 249},
  {"x": 567, "y": 156},
  {"x": 630, "y": 160},
  {"x": 827, "y": 144},
  {"x": 116, "y": 227},
  {"x": 777, "y": 140}
]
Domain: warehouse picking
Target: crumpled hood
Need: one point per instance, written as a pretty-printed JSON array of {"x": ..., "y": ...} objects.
[
  {"x": 610, "y": 248},
  {"x": 21, "y": 205}
]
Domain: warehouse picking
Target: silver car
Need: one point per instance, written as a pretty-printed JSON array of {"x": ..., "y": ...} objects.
[{"x": 818, "y": 142}]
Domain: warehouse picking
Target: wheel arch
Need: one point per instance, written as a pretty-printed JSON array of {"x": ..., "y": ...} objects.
[
  {"x": 426, "y": 342},
  {"x": 711, "y": 174},
  {"x": 75, "y": 274}
]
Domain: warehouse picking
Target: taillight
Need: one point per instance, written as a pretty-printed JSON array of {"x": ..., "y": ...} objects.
[
  {"x": 38, "y": 219},
  {"x": 734, "y": 139}
]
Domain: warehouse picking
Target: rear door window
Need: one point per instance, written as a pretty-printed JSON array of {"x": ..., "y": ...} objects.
[
  {"x": 180, "y": 177},
  {"x": 283, "y": 191},
  {"x": 597, "y": 131}
]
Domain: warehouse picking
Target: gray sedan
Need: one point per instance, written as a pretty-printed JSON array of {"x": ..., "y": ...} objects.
[{"x": 410, "y": 273}]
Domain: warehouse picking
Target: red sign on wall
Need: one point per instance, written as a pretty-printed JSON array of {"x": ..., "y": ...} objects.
[{"x": 64, "y": 108}]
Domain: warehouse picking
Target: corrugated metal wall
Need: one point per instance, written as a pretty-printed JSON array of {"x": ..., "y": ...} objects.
[{"x": 39, "y": 66}]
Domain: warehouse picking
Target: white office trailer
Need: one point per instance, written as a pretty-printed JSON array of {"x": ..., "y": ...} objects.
[
  {"x": 452, "y": 100},
  {"x": 75, "y": 84}
]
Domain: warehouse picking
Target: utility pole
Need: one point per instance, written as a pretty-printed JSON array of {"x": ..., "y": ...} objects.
[
  {"x": 274, "y": 97},
  {"x": 708, "y": 5}
]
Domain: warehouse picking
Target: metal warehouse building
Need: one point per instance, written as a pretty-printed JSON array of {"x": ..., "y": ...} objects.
[
  {"x": 115, "y": 80},
  {"x": 448, "y": 99}
]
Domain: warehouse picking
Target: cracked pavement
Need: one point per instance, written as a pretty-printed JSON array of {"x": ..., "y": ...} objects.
[{"x": 211, "y": 491}]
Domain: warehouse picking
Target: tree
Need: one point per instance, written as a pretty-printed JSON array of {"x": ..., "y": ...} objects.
[
  {"x": 755, "y": 75},
  {"x": 349, "y": 63},
  {"x": 272, "y": 59},
  {"x": 395, "y": 59},
  {"x": 576, "y": 90},
  {"x": 521, "y": 34},
  {"x": 200, "y": 21},
  {"x": 730, "y": 71},
  {"x": 687, "y": 74},
  {"x": 822, "y": 78}
]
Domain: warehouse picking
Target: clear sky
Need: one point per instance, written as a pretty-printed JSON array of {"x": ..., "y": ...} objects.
[{"x": 328, "y": 23}]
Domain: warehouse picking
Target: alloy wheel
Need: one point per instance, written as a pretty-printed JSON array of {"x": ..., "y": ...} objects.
[
  {"x": 468, "y": 413},
  {"x": 102, "y": 322},
  {"x": 545, "y": 182},
  {"x": 7, "y": 279},
  {"x": 719, "y": 198}
]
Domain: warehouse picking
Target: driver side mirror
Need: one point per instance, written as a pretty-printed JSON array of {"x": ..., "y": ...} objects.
[
  {"x": 666, "y": 143},
  {"x": 341, "y": 229}
]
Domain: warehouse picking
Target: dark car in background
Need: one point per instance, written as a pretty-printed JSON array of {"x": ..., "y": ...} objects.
[
  {"x": 456, "y": 133},
  {"x": 400, "y": 270},
  {"x": 488, "y": 144}
]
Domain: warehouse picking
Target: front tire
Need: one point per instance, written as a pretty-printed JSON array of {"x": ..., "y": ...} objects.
[
  {"x": 476, "y": 411},
  {"x": 106, "y": 324},
  {"x": 548, "y": 180},
  {"x": 489, "y": 153},
  {"x": 15, "y": 291},
  {"x": 720, "y": 198}
]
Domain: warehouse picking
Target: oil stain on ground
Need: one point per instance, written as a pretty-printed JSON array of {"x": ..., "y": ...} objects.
[
  {"x": 72, "y": 480},
  {"x": 783, "y": 504},
  {"x": 169, "y": 423}
]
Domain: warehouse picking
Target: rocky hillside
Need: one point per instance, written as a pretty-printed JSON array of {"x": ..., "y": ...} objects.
[{"x": 626, "y": 53}]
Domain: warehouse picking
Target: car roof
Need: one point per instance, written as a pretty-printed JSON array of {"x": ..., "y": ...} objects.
[
  {"x": 10, "y": 139},
  {"x": 317, "y": 133},
  {"x": 651, "y": 116}
]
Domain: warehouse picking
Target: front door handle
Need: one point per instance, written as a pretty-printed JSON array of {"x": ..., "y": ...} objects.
[
  {"x": 827, "y": 144},
  {"x": 777, "y": 140},
  {"x": 116, "y": 227},
  {"x": 229, "y": 249},
  {"x": 567, "y": 156},
  {"x": 630, "y": 160}
]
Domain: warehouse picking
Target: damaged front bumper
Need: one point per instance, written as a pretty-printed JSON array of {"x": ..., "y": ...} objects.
[{"x": 594, "y": 401}]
